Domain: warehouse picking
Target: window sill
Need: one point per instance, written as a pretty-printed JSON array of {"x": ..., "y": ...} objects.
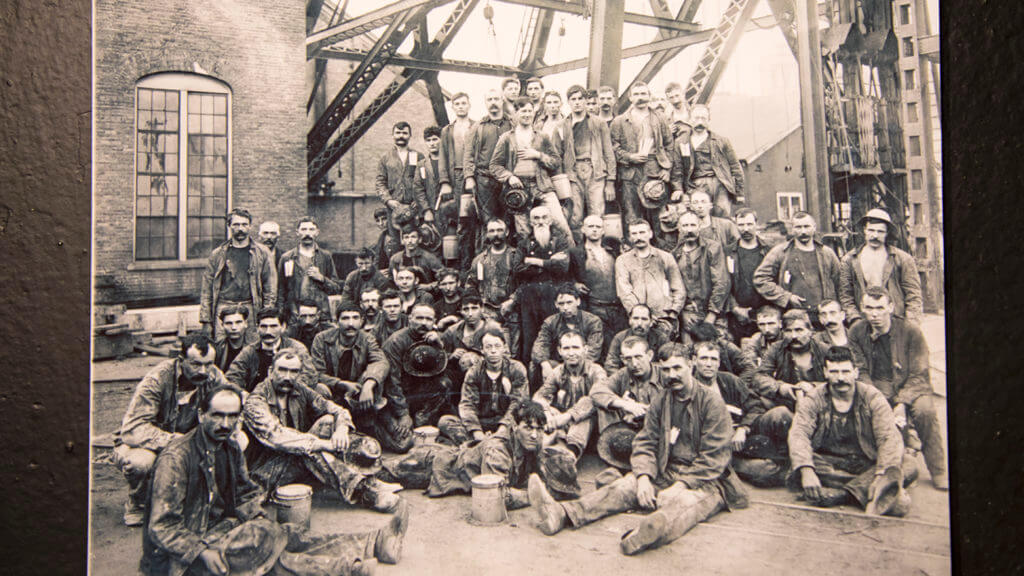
[{"x": 147, "y": 265}]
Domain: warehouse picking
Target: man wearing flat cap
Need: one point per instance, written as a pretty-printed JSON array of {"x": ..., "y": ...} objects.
[{"x": 878, "y": 263}]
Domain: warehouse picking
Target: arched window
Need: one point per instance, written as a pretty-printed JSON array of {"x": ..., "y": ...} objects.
[{"x": 183, "y": 165}]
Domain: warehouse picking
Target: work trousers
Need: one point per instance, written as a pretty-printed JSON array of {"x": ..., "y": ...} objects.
[
  {"x": 576, "y": 434},
  {"x": 854, "y": 475},
  {"x": 628, "y": 196},
  {"x": 613, "y": 320},
  {"x": 721, "y": 204},
  {"x": 489, "y": 204},
  {"x": 536, "y": 302},
  {"x": 588, "y": 195},
  {"x": 549, "y": 200},
  {"x": 763, "y": 460},
  {"x": 684, "y": 507},
  {"x": 922, "y": 414}
]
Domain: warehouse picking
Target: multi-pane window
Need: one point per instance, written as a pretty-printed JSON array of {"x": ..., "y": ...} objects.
[
  {"x": 788, "y": 204},
  {"x": 182, "y": 166}
]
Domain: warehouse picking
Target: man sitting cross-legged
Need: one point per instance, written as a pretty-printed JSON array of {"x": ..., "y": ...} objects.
[
  {"x": 680, "y": 467},
  {"x": 299, "y": 433}
]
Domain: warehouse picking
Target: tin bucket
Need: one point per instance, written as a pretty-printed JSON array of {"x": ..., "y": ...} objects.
[
  {"x": 450, "y": 246},
  {"x": 294, "y": 503},
  {"x": 488, "y": 499},
  {"x": 465, "y": 205},
  {"x": 613, "y": 226},
  {"x": 563, "y": 188},
  {"x": 426, "y": 434}
]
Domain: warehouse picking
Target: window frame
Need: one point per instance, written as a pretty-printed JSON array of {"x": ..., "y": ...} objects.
[
  {"x": 789, "y": 195},
  {"x": 183, "y": 83}
]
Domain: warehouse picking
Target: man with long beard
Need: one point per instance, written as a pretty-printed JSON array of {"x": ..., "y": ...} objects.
[{"x": 679, "y": 467}]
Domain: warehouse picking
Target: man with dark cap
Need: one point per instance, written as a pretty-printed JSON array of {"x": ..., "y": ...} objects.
[{"x": 680, "y": 467}]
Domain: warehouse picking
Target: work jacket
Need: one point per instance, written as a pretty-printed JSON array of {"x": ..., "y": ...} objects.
[
  {"x": 625, "y": 140},
  {"x": 262, "y": 280},
  {"x": 264, "y": 419},
  {"x": 368, "y": 361},
  {"x": 155, "y": 414},
  {"x": 455, "y": 337},
  {"x": 724, "y": 163},
  {"x": 773, "y": 277},
  {"x": 426, "y": 185},
  {"x": 504, "y": 160},
  {"x": 291, "y": 275},
  {"x": 245, "y": 369},
  {"x": 490, "y": 275},
  {"x": 483, "y": 139},
  {"x": 559, "y": 392},
  {"x": 732, "y": 265},
  {"x": 873, "y": 420},
  {"x": 899, "y": 279},
  {"x": 483, "y": 409},
  {"x": 306, "y": 333},
  {"x": 588, "y": 325},
  {"x": 394, "y": 350},
  {"x": 427, "y": 262},
  {"x": 708, "y": 286},
  {"x": 355, "y": 282},
  {"x": 446, "y": 167},
  {"x": 777, "y": 367},
  {"x": 705, "y": 438},
  {"x": 655, "y": 339},
  {"x": 602, "y": 156},
  {"x": 654, "y": 281},
  {"x": 619, "y": 384},
  {"x": 911, "y": 377},
  {"x": 744, "y": 406},
  {"x": 395, "y": 178},
  {"x": 221, "y": 346},
  {"x": 721, "y": 230},
  {"x": 553, "y": 271},
  {"x": 182, "y": 498}
]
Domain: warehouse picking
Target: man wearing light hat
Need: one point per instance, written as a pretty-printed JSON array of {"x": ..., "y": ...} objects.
[{"x": 877, "y": 263}]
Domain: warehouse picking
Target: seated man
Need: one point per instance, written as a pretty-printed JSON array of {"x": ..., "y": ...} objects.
[
  {"x": 893, "y": 354},
  {"x": 391, "y": 318},
  {"x": 680, "y": 467},
  {"x": 569, "y": 318},
  {"x": 733, "y": 360},
  {"x": 410, "y": 293},
  {"x": 254, "y": 361},
  {"x": 419, "y": 393},
  {"x": 462, "y": 340},
  {"x": 793, "y": 366},
  {"x": 190, "y": 533},
  {"x": 565, "y": 394},
  {"x": 844, "y": 445},
  {"x": 364, "y": 276},
  {"x": 492, "y": 389},
  {"x": 769, "y": 325},
  {"x": 414, "y": 255},
  {"x": 833, "y": 320},
  {"x": 641, "y": 325},
  {"x": 759, "y": 453},
  {"x": 514, "y": 453},
  {"x": 162, "y": 408},
  {"x": 351, "y": 364},
  {"x": 299, "y": 433},
  {"x": 447, "y": 298},
  {"x": 234, "y": 321},
  {"x": 626, "y": 395},
  {"x": 308, "y": 322}
]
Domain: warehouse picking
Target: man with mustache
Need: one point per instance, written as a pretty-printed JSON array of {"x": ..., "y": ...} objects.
[
  {"x": 365, "y": 275},
  {"x": 769, "y": 324},
  {"x": 480, "y": 181},
  {"x": 680, "y": 467},
  {"x": 723, "y": 230},
  {"x": 447, "y": 297},
  {"x": 396, "y": 172},
  {"x": 451, "y": 159},
  {"x": 800, "y": 272},
  {"x": 255, "y": 360},
  {"x": 239, "y": 272},
  {"x": 641, "y": 140},
  {"x": 833, "y": 319},
  {"x": 844, "y": 445},
  {"x": 162, "y": 408},
  {"x": 643, "y": 274},
  {"x": 742, "y": 257},
  {"x": 877, "y": 263},
  {"x": 526, "y": 159},
  {"x": 702, "y": 267},
  {"x": 391, "y": 318},
  {"x": 543, "y": 264},
  {"x": 666, "y": 234},
  {"x": 714, "y": 167},
  {"x": 490, "y": 276},
  {"x": 369, "y": 305},
  {"x": 350, "y": 362},
  {"x": 792, "y": 367},
  {"x": 269, "y": 234},
  {"x": 300, "y": 435},
  {"x": 234, "y": 321},
  {"x": 606, "y": 97},
  {"x": 306, "y": 272},
  {"x": 413, "y": 254},
  {"x": 416, "y": 401},
  {"x": 642, "y": 326},
  {"x": 892, "y": 354},
  {"x": 308, "y": 323}
]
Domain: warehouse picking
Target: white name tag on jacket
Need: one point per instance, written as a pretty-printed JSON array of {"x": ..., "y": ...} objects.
[
  {"x": 413, "y": 159},
  {"x": 734, "y": 410},
  {"x": 423, "y": 172},
  {"x": 786, "y": 277},
  {"x": 730, "y": 264},
  {"x": 673, "y": 435},
  {"x": 289, "y": 267}
]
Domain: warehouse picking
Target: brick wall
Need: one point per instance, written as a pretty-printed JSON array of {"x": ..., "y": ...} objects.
[{"x": 257, "y": 48}]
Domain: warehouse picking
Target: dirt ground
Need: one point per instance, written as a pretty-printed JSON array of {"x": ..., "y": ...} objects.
[{"x": 776, "y": 534}]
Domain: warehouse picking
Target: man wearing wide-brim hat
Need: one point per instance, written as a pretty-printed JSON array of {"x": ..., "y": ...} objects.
[{"x": 878, "y": 263}]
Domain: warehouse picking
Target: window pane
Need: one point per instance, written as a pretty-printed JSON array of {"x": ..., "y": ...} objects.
[
  {"x": 220, "y": 124},
  {"x": 193, "y": 123},
  {"x": 171, "y": 205},
  {"x": 220, "y": 104},
  {"x": 145, "y": 99},
  {"x": 195, "y": 102},
  {"x": 172, "y": 102},
  {"x": 158, "y": 99}
]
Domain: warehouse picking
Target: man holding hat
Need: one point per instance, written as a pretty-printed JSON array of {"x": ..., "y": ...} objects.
[
  {"x": 714, "y": 166},
  {"x": 419, "y": 393},
  {"x": 877, "y": 263},
  {"x": 299, "y": 434}
]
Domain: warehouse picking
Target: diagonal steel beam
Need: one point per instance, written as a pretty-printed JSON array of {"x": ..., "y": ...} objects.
[
  {"x": 359, "y": 81},
  {"x": 682, "y": 40},
  {"x": 321, "y": 163},
  {"x": 365, "y": 23},
  {"x": 439, "y": 65},
  {"x": 539, "y": 42},
  {"x": 718, "y": 51},
  {"x": 578, "y": 8},
  {"x": 436, "y": 95}
]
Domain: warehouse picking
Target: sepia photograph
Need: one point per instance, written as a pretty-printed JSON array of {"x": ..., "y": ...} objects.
[{"x": 590, "y": 287}]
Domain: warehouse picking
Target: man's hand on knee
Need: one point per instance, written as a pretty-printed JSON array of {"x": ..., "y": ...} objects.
[{"x": 646, "y": 495}]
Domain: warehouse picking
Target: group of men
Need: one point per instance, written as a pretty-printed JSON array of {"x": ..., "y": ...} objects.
[{"x": 690, "y": 353}]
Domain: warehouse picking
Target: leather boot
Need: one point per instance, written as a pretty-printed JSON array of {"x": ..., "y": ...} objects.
[
  {"x": 516, "y": 499},
  {"x": 645, "y": 535},
  {"x": 550, "y": 514},
  {"x": 388, "y": 547}
]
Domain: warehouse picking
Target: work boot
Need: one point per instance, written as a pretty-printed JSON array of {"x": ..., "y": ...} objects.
[
  {"x": 550, "y": 514},
  {"x": 831, "y": 497},
  {"x": 134, "y": 514},
  {"x": 941, "y": 481},
  {"x": 645, "y": 535},
  {"x": 451, "y": 427},
  {"x": 388, "y": 547},
  {"x": 516, "y": 499},
  {"x": 606, "y": 477}
]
